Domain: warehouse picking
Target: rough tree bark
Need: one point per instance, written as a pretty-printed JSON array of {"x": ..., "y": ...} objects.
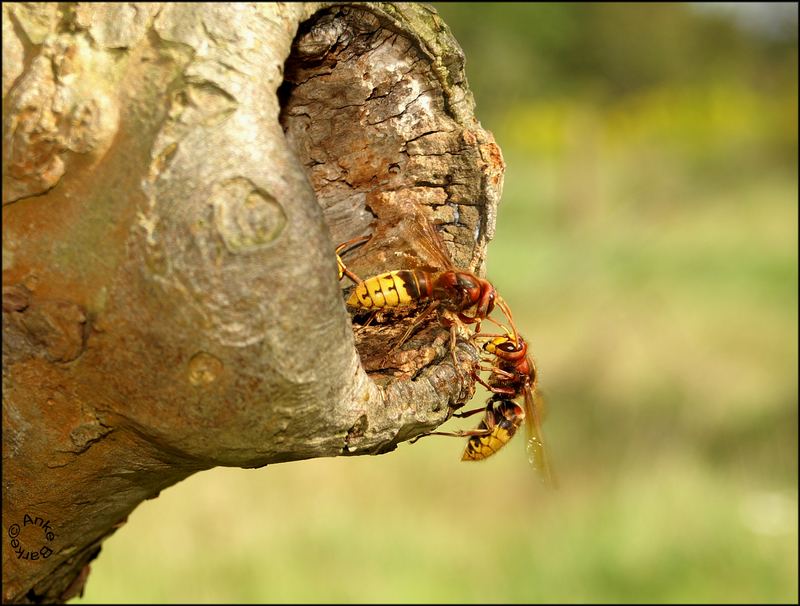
[{"x": 175, "y": 178}]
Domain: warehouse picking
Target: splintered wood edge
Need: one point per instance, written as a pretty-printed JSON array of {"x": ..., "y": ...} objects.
[{"x": 376, "y": 107}]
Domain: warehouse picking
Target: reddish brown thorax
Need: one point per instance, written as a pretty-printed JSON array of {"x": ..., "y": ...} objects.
[
  {"x": 459, "y": 291},
  {"x": 513, "y": 359}
]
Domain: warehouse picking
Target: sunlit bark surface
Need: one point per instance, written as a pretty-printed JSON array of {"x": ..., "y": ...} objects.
[{"x": 175, "y": 180}]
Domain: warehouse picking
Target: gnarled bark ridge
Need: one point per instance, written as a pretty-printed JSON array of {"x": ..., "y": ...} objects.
[{"x": 175, "y": 179}]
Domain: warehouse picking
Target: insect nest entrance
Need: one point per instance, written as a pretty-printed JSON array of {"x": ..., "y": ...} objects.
[{"x": 371, "y": 119}]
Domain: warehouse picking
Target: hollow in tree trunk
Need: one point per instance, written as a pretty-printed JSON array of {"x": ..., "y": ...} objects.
[{"x": 175, "y": 180}]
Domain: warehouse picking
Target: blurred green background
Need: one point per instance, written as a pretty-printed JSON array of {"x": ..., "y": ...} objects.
[{"x": 647, "y": 243}]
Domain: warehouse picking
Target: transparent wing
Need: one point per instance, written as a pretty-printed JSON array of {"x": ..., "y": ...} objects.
[
  {"x": 405, "y": 240},
  {"x": 428, "y": 244},
  {"x": 537, "y": 452}
]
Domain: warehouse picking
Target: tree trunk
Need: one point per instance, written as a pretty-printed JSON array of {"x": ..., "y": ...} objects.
[{"x": 175, "y": 179}]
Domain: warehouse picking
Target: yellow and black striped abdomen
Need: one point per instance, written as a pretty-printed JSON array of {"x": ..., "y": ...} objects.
[
  {"x": 502, "y": 419},
  {"x": 391, "y": 289},
  {"x": 482, "y": 447}
]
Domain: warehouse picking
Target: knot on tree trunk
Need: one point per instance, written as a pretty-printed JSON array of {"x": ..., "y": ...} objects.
[{"x": 176, "y": 178}]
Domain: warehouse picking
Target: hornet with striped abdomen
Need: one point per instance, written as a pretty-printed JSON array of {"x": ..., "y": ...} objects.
[
  {"x": 454, "y": 290},
  {"x": 512, "y": 374}
]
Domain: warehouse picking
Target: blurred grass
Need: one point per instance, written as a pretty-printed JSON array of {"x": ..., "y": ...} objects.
[{"x": 647, "y": 243}]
